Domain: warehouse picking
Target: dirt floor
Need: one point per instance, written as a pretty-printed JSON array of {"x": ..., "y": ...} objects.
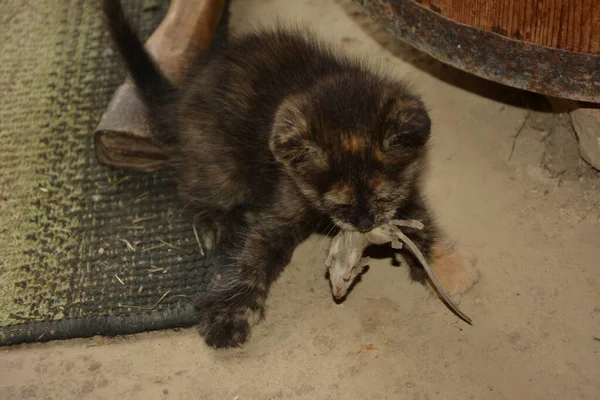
[{"x": 530, "y": 213}]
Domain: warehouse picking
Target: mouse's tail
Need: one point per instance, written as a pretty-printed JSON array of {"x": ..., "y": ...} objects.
[{"x": 148, "y": 78}]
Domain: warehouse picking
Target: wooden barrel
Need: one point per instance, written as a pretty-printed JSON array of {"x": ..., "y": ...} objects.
[{"x": 550, "y": 47}]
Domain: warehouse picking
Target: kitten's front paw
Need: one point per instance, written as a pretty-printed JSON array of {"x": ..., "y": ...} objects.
[
  {"x": 454, "y": 268},
  {"x": 225, "y": 319}
]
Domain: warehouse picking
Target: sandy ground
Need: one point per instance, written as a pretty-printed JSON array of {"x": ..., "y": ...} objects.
[{"x": 532, "y": 222}]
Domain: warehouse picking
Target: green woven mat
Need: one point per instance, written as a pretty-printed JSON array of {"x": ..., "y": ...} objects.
[{"x": 72, "y": 261}]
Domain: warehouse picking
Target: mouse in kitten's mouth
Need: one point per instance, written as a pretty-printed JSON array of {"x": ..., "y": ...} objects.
[{"x": 345, "y": 261}]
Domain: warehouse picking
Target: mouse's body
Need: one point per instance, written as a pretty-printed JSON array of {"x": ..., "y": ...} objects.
[{"x": 345, "y": 259}]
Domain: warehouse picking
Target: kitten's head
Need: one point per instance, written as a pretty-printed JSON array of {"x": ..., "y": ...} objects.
[{"x": 355, "y": 147}]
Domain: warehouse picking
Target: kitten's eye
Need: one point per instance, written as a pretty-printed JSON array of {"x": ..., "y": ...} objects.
[
  {"x": 384, "y": 200},
  {"x": 340, "y": 196},
  {"x": 343, "y": 208}
]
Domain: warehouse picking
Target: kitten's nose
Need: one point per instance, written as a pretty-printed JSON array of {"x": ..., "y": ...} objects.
[{"x": 365, "y": 223}]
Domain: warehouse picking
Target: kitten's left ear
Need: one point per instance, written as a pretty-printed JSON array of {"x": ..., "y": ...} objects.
[
  {"x": 290, "y": 140},
  {"x": 407, "y": 125}
]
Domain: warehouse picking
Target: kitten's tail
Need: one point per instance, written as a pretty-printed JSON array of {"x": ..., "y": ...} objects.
[{"x": 148, "y": 78}]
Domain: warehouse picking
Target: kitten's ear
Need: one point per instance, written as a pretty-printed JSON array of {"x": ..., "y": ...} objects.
[
  {"x": 407, "y": 125},
  {"x": 290, "y": 140}
]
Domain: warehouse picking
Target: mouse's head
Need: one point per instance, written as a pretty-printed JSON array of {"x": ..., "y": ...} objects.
[{"x": 345, "y": 261}]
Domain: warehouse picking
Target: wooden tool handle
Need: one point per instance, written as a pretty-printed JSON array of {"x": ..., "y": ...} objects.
[{"x": 186, "y": 31}]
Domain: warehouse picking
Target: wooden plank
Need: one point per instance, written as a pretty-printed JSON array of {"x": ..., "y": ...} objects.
[{"x": 572, "y": 25}]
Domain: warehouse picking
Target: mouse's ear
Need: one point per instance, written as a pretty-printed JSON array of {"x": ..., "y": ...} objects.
[
  {"x": 290, "y": 140},
  {"x": 329, "y": 258},
  {"x": 396, "y": 244}
]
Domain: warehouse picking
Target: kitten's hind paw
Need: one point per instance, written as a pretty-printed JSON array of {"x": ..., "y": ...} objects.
[
  {"x": 455, "y": 268},
  {"x": 225, "y": 318}
]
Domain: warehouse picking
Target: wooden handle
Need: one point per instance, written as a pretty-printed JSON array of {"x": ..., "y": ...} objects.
[{"x": 186, "y": 31}]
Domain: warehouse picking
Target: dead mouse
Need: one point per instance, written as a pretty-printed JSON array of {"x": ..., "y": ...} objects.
[{"x": 345, "y": 261}]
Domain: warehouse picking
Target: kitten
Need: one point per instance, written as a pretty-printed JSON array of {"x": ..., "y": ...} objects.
[{"x": 272, "y": 135}]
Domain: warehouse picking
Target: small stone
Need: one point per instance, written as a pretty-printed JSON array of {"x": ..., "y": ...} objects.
[
  {"x": 561, "y": 157},
  {"x": 94, "y": 367},
  {"x": 541, "y": 121},
  {"x": 87, "y": 387},
  {"x": 586, "y": 122}
]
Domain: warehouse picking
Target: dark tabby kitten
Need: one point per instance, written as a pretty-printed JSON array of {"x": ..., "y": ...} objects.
[{"x": 272, "y": 134}]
